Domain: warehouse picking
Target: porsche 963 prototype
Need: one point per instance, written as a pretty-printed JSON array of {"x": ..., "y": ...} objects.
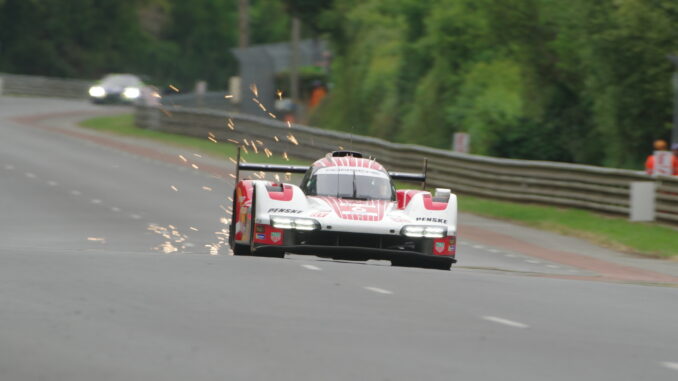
[{"x": 346, "y": 207}]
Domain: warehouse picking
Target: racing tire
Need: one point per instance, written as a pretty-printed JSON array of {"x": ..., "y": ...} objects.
[
  {"x": 269, "y": 252},
  {"x": 425, "y": 263},
  {"x": 238, "y": 249},
  {"x": 438, "y": 264}
]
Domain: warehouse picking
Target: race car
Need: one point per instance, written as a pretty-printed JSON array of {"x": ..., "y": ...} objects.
[{"x": 346, "y": 207}]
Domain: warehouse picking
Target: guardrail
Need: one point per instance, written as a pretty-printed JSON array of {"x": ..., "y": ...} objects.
[
  {"x": 215, "y": 100},
  {"x": 17, "y": 84},
  {"x": 560, "y": 184}
]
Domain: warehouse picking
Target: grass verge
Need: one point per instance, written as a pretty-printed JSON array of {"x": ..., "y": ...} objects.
[
  {"x": 648, "y": 239},
  {"x": 642, "y": 238}
]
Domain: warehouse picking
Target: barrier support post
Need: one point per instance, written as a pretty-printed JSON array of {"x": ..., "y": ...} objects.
[{"x": 642, "y": 201}]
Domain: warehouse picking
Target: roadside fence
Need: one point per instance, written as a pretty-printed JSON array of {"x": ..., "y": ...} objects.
[
  {"x": 559, "y": 184},
  {"x": 17, "y": 84}
]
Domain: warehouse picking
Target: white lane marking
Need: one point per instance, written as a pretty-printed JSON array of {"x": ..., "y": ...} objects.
[
  {"x": 378, "y": 290},
  {"x": 507, "y": 322},
  {"x": 553, "y": 266},
  {"x": 115, "y": 209},
  {"x": 532, "y": 261},
  {"x": 493, "y": 250},
  {"x": 671, "y": 365},
  {"x": 311, "y": 267},
  {"x": 9, "y": 167},
  {"x": 478, "y": 246},
  {"x": 95, "y": 201},
  {"x": 52, "y": 183},
  {"x": 511, "y": 255},
  {"x": 76, "y": 193},
  {"x": 135, "y": 216},
  {"x": 30, "y": 175}
]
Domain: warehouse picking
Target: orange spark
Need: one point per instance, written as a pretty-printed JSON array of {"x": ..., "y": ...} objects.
[
  {"x": 291, "y": 138},
  {"x": 173, "y": 88}
]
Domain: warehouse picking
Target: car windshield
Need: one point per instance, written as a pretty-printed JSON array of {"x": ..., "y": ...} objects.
[
  {"x": 122, "y": 80},
  {"x": 350, "y": 183}
]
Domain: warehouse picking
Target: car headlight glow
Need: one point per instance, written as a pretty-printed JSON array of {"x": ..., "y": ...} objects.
[
  {"x": 97, "y": 92},
  {"x": 131, "y": 92},
  {"x": 294, "y": 223},
  {"x": 421, "y": 231}
]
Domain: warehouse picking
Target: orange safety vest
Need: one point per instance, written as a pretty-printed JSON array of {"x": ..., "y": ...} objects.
[{"x": 649, "y": 165}]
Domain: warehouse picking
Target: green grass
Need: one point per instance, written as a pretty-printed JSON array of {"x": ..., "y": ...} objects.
[
  {"x": 616, "y": 232},
  {"x": 124, "y": 125},
  {"x": 648, "y": 239}
]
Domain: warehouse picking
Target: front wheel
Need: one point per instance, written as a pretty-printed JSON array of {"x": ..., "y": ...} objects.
[
  {"x": 238, "y": 249},
  {"x": 425, "y": 263},
  {"x": 269, "y": 252}
]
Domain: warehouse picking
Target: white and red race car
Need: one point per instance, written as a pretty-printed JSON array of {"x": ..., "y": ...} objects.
[{"x": 346, "y": 207}]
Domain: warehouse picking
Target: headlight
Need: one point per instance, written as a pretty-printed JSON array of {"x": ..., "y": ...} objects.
[
  {"x": 131, "y": 93},
  {"x": 294, "y": 223},
  {"x": 97, "y": 91},
  {"x": 416, "y": 231}
]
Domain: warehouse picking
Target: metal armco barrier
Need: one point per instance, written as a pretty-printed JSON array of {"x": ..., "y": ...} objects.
[
  {"x": 15, "y": 84},
  {"x": 559, "y": 184}
]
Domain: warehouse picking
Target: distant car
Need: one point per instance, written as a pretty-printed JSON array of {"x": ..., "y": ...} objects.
[
  {"x": 117, "y": 88},
  {"x": 345, "y": 208}
]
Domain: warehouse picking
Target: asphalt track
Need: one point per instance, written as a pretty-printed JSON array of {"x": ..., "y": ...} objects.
[{"x": 85, "y": 296}]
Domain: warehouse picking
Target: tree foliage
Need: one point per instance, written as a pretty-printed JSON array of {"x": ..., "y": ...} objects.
[
  {"x": 579, "y": 81},
  {"x": 169, "y": 41}
]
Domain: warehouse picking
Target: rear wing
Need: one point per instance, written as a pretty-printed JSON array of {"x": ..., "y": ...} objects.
[{"x": 402, "y": 176}]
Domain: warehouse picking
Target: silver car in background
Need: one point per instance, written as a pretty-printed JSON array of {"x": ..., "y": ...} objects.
[{"x": 116, "y": 88}]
